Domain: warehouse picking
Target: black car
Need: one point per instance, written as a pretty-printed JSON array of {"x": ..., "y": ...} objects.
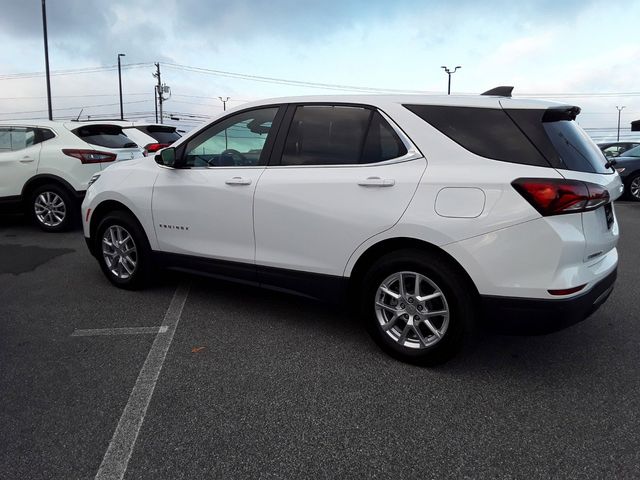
[
  {"x": 628, "y": 166},
  {"x": 616, "y": 149}
]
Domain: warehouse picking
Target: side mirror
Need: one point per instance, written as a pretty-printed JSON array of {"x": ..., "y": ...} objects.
[{"x": 166, "y": 157}]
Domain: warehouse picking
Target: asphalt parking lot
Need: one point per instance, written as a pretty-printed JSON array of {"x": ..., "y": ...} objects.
[{"x": 255, "y": 384}]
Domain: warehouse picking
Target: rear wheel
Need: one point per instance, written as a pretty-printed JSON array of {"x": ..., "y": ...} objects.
[
  {"x": 123, "y": 251},
  {"x": 417, "y": 306},
  {"x": 633, "y": 187},
  {"x": 52, "y": 208}
]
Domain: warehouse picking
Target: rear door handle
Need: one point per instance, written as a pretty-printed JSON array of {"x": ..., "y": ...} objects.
[
  {"x": 238, "y": 181},
  {"x": 377, "y": 182},
  {"x": 26, "y": 159}
]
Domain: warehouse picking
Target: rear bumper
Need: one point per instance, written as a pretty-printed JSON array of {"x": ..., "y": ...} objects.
[{"x": 538, "y": 316}]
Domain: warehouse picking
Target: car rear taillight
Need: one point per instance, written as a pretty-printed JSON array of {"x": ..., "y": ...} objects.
[
  {"x": 154, "y": 147},
  {"x": 90, "y": 156},
  {"x": 552, "y": 196}
]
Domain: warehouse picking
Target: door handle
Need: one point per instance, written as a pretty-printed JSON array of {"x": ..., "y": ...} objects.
[
  {"x": 26, "y": 159},
  {"x": 377, "y": 182},
  {"x": 238, "y": 181}
]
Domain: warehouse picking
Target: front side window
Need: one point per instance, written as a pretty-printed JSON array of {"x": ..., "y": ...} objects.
[
  {"x": 16, "y": 138},
  {"x": 236, "y": 141},
  {"x": 634, "y": 152}
]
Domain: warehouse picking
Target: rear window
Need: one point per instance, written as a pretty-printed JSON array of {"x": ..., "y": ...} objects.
[
  {"x": 488, "y": 132},
  {"x": 109, "y": 136},
  {"x": 161, "y": 134},
  {"x": 634, "y": 152}
]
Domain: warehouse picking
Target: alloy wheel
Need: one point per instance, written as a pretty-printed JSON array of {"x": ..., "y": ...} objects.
[
  {"x": 635, "y": 188},
  {"x": 119, "y": 252},
  {"x": 50, "y": 209},
  {"x": 412, "y": 310}
]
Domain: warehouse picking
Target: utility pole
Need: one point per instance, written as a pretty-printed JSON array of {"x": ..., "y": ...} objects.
[
  {"x": 224, "y": 101},
  {"x": 155, "y": 100},
  {"x": 619, "y": 112},
  {"x": 161, "y": 89},
  {"x": 120, "y": 85},
  {"x": 46, "y": 56},
  {"x": 450, "y": 72}
]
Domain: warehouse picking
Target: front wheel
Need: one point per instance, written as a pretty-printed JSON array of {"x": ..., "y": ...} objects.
[
  {"x": 123, "y": 251},
  {"x": 417, "y": 307}
]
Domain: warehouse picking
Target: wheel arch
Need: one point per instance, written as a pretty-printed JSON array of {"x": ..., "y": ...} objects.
[
  {"x": 47, "y": 179},
  {"x": 104, "y": 208},
  {"x": 389, "y": 245}
]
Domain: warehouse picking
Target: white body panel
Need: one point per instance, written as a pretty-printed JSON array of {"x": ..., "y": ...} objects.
[
  {"x": 215, "y": 204},
  {"x": 16, "y": 168},
  {"x": 313, "y": 218}
]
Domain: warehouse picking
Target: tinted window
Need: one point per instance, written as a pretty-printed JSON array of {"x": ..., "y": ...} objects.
[
  {"x": 487, "y": 132},
  {"x": 574, "y": 147},
  {"x": 161, "y": 134},
  {"x": 16, "y": 138},
  {"x": 382, "y": 142},
  {"x": 44, "y": 134},
  {"x": 326, "y": 135},
  {"x": 235, "y": 141},
  {"x": 109, "y": 136}
]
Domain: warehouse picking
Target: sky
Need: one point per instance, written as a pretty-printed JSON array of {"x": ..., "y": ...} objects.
[{"x": 585, "y": 53}]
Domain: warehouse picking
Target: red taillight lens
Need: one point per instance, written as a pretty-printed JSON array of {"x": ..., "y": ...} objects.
[
  {"x": 90, "y": 156},
  {"x": 154, "y": 147},
  {"x": 567, "y": 291},
  {"x": 559, "y": 196}
]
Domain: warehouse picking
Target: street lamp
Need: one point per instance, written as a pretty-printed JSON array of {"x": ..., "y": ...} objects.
[
  {"x": 450, "y": 72},
  {"x": 46, "y": 57},
  {"x": 224, "y": 101},
  {"x": 120, "y": 85},
  {"x": 619, "y": 112}
]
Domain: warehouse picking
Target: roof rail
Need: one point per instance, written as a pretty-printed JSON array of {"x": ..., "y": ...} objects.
[{"x": 501, "y": 91}]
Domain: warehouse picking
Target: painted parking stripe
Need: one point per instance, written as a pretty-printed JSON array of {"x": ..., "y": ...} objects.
[
  {"x": 90, "y": 332},
  {"x": 115, "y": 461}
]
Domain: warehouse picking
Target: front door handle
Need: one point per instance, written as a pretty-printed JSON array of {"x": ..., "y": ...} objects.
[
  {"x": 238, "y": 181},
  {"x": 26, "y": 159},
  {"x": 377, "y": 182}
]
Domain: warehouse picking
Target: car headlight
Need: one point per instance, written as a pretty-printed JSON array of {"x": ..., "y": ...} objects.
[
  {"x": 93, "y": 179},
  {"x": 620, "y": 170}
]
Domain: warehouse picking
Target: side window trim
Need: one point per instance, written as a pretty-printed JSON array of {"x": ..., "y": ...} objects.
[
  {"x": 181, "y": 150},
  {"x": 275, "y": 161}
]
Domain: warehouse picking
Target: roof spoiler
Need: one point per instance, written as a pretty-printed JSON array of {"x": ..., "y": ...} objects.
[{"x": 499, "y": 92}]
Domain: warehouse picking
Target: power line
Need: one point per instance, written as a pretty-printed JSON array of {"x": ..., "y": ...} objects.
[
  {"x": 73, "y": 71},
  {"x": 73, "y": 108}
]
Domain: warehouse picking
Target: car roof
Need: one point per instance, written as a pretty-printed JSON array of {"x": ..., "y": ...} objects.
[{"x": 478, "y": 101}]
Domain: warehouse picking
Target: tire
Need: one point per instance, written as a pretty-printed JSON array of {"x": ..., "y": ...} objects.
[
  {"x": 127, "y": 265},
  {"x": 53, "y": 208},
  {"x": 433, "y": 339},
  {"x": 633, "y": 185}
]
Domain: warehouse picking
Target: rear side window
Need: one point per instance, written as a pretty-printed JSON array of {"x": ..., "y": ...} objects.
[
  {"x": 16, "y": 138},
  {"x": 488, "y": 132},
  {"x": 382, "y": 142},
  {"x": 109, "y": 136},
  {"x": 161, "y": 134},
  {"x": 339, "y": 135}
]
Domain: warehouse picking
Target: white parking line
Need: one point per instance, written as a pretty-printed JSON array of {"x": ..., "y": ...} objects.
[
  {"x": 115, "y": 461},
  {"x": 89, "y": 332}
]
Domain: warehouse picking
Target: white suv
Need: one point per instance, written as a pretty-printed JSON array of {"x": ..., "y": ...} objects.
[
  {"x": 45, "y": 166},
  {"x": 428, "y": 213}
]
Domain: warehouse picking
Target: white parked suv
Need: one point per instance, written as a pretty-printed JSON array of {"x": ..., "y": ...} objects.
[
  {"x": 45, "y": 166},
  {"x": 427, "y": 213}
]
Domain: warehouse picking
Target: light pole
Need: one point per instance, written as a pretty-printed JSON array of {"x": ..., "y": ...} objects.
[
  {"x": 120, "y": 85},
  {"x": 224, "y": 101},
  {"x": 46, "y": 56},
  {"x": 619, "y": 112},
  {"x": 450, "y": 72}
]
